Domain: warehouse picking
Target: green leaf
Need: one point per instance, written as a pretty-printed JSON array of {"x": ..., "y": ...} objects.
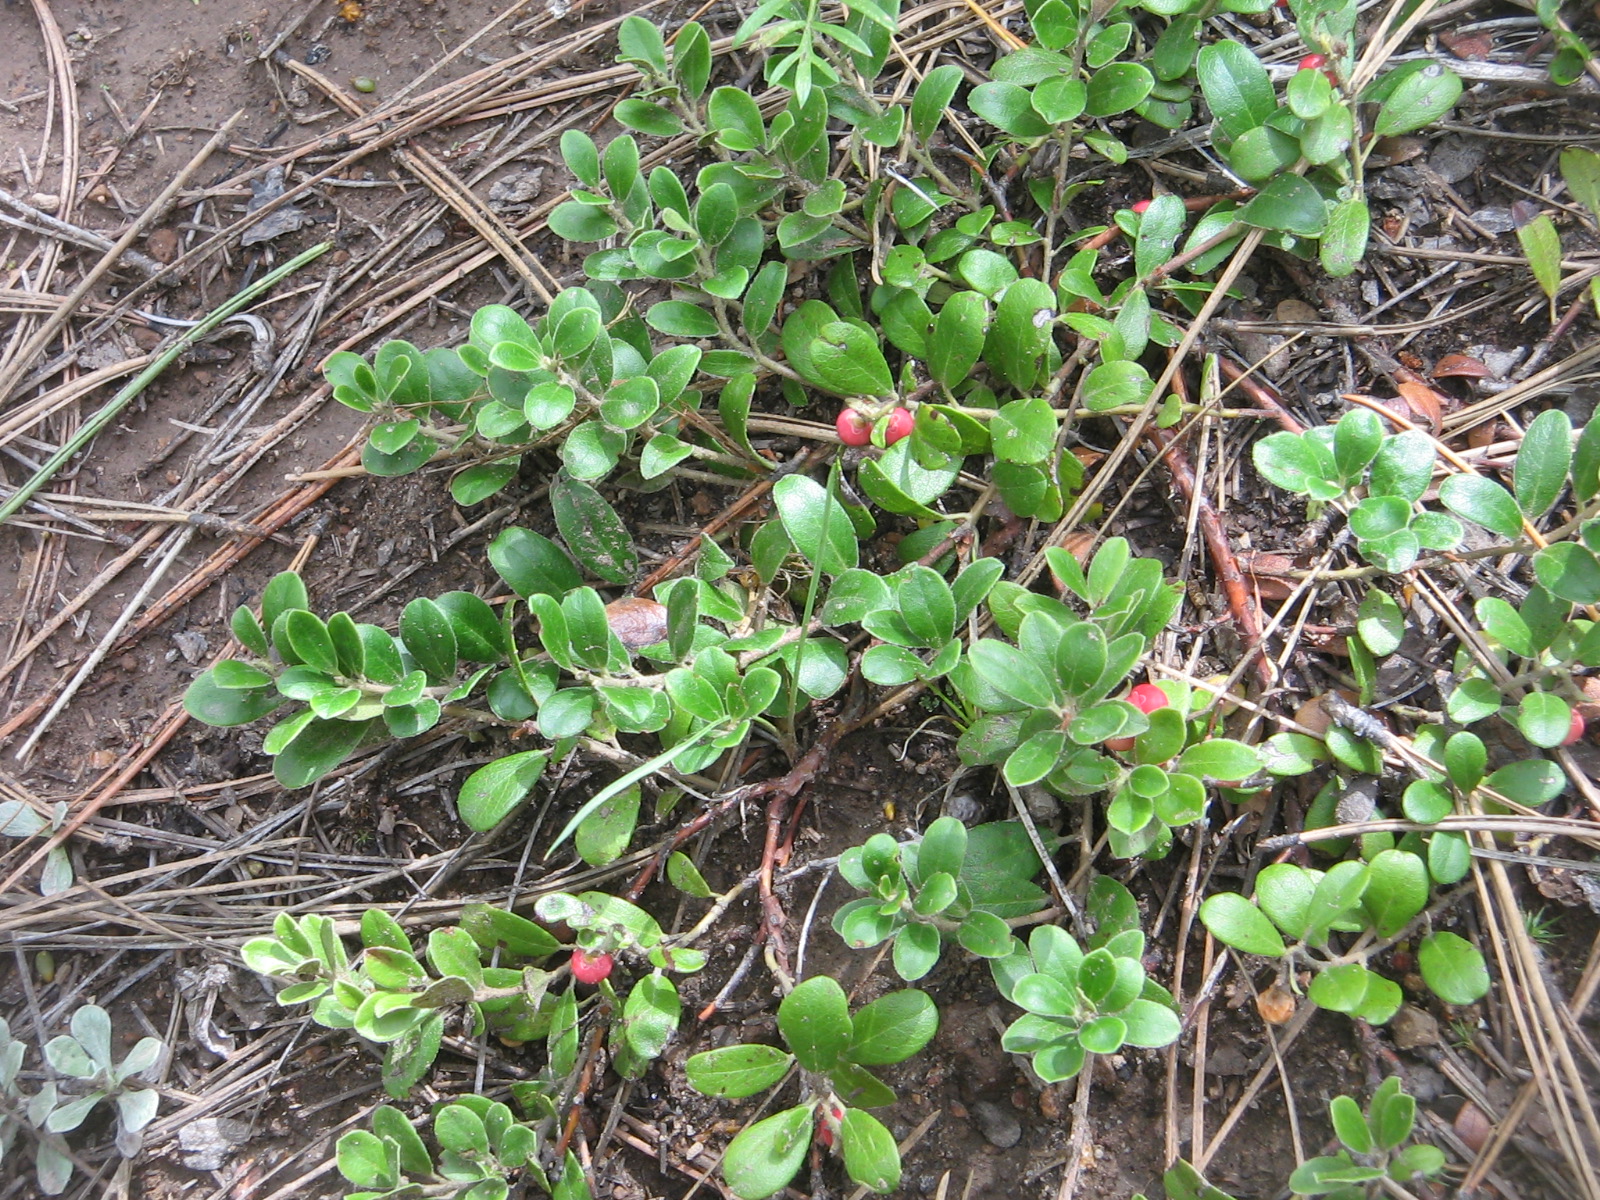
[
  {"x": 593, "y": 530},
  {"x": 1580, "y": 168},
  {"x": 958, "y": 337},
  {"x": 870, "y": 1154},
  {"x": 1569, "y": 571},
  {"x": 1236, "y": 86},
  {"x": 429, "y": 637},
  {"x": 367, "y": 1161},
  {"x": 892, "y": 1028},
  {"x": 735, "y": 1072},
  {"x": 1452, "y": 968},
  {"x": 1222, "y": 759},
  {"x": 1236, "y": 922},
  {"x": 207, "y": 700},
  {"x": 1404, "y": 466},
  {"x": 1544, "y": 719},
  {"x": 816, "y": 523},
  {"x": 814, "y": 1020},
  {"x": 1021, "y": 332},
  {"x": 679, "y": 318},
  {"x": 1288, "y": 203},
  {"x": 932, "y": 97},
  {"x": 532, "y": 564},
  {"x": 1543, "y": 459},
  {"x": 1483, "y": 502},
  {"x": 1344, "y": 240},
  {"x": 1397, "y": 890},
  {"x": 765, "y": 1157},
  {"x": 1116, "y": 88},
  {"x": 318, "y": 748},
  {"x": 645, "y": 117},
  {"x": 1380, "y": 622},
  {"x": 1421, "y": 98},
  {"x": 605, "y": 833},
  {"x": 494, "y": 790},
  {"x": 1008, "y": 108},
  {"x": 1024, "y": 431},
  {"x": 1009, "y": 671},
  {"x": 847, "y": 359},
  {"x": 1542, "y": 244},
  {"x": 1284, "y": 891}
]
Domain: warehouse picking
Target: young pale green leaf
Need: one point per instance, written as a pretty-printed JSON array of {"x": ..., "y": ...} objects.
[
  {"x": 207, "y": 700},
  {"x": 1542, "y": 244},
  {"x": 1397, "y": 891},
  {"x": 605, "y": 833},
  {"x": 1236, "y": 922},
  {"x": 1482, "y": 501},
  {"x": 1344, "y": 241},
  {"x": 1288, "y": 461},
  {"x": 814, "y": 1020},
  {"x": 870, "y": 1155},
  {"x": 735, "y": 1072},
  {"x": 1453, "y": 968},
  {"x": 765, "y": 1157},
  {"x": 1421, "y": 98},
  {"x": 892, "y": 1028},
  {"x": 916, "y": 951}
]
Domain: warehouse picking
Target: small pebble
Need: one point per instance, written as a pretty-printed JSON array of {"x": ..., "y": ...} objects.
[
  {"x": 999, "y": 1126},
  {"x": 1413, "y": 1027}
]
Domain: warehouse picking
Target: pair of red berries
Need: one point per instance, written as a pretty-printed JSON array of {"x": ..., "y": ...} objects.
[
  {"x": 1319, "y": 62},
  {"x": 855, "y": 428},
  {"x": 1146, "y": 697}
]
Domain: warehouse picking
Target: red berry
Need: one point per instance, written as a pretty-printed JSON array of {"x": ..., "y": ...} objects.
[
  {"x": 1147, "y": 697},
  {"x": 1141, "y": 206},
  {"x": 1313, "y": 62},
  {"x": 899, "y": 427},
  {"x": 854, "y": 429},
  {"x": 590, "y": 968},
  {"x": 1575, "y": 733}
]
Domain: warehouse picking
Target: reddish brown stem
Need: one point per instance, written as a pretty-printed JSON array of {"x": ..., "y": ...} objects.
[{"x": 1240, "y": 602}]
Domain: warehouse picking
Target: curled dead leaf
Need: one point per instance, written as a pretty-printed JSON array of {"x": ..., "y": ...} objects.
[
  {"x": 1463, "y": 365},
  {"x": 1472, "y": 46},
  {"x": 1424, "y": 402},
  {"x": 637, "y": 621}
]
